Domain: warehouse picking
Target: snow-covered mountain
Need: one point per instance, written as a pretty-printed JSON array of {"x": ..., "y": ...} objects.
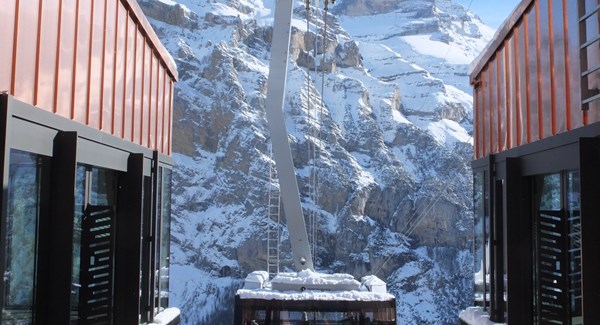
[{"x": 382, "y": 121}]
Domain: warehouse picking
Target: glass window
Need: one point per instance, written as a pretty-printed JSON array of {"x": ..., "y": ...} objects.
[
  {"x": 93, "y": 231},
  {"x": 574, "y": 235},
  {"x": 557, "y": 248},
  {"x": 163, "y": 225},
  {"x": 165, "y": 239},
  {"x": 481, "y": 240},
  {"x": 25, "y": 184}
]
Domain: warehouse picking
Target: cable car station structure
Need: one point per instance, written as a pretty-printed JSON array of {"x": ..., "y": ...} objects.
[
  {"x": 537, "y": 167},
  {"x": 86, "y": 92}
]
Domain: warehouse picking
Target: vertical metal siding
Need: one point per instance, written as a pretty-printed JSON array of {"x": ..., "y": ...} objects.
[
  {"x": 96, "y": 64},
  {"x": 153, "y": 102},
  {"x": 169, "y": 120},
  {"x": 24, "y": 72},
  {"x": 573, "y": 62},
  {"x": 146, "y": 97},
  {"x": 503, "y": 127},
  {"x": 65, "y": 59},
  {"x": 119, "y": 77},
  {"x": 82, "y": 62},
  {"x": 7, "y": 16},
  {"x": 47, "y": 63},
  {"x": 557, "y": 67},
  {"x": 93, "y": 61},
  {"x": 129, "y": 97},
  {"x": 511, "y": 93},
  {"x": 106, "y": 111},
  {"x": 528, "y": 86},
  {"x": 139, "y": 88}
]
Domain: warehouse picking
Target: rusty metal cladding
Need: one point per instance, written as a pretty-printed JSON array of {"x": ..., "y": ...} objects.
[
  {"x": 539, "y": 77},
  {"x": 97, "y": 62}
]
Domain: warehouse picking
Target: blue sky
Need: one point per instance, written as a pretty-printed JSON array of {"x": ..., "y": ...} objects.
[{"x": 492, "y": 12}]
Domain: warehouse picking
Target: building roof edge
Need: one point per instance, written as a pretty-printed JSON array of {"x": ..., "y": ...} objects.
[
  {"x": 136, "y": 10},
  {"x": 501, "y": 33}
]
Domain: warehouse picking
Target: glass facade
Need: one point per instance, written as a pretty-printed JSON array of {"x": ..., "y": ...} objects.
[
  {"x": 25, "y": 197},
  {"x": 481, "y": 240},
  {"x": 98, "y": 213},
  {"x": 165, "y": 238},
  {"x": 557, "y": 249},
  {"x": 95, "y": 187},
  {"x": 163, "y": 225}
]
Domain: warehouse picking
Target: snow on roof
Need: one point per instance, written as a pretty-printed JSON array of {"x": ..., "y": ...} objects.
[
  {"x": 166, "y": 316},
  {"x": 352, "y": 295},
  {"x": 475, "y": 316},
  {"x": 308, "y": 278},
  {"x": 313, "y": 278}
]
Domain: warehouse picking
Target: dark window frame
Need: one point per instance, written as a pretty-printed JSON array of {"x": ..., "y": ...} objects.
[
  {"x": 542, "y": 157},
  {"x": 31, "y": 129}
]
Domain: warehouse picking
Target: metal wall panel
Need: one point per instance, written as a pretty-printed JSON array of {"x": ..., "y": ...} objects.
[
  {"x": 129, "y": 96},
  {"x": 485, "y": 103},
  {"x": 493, "y": 104},
  {"x": 522, "y": 91},
  {"x": 47, "y": 64},
  {"x": 66, "y": 54},
  {"x": 26, "y": 50},
  {"x": 106, "y": 113},
  {"x": 119, "y": 77},
  {"x": 7, "y": 16},
  {"x": 82, "y": 61},
  {"x": 160, "y": 108},
  {"x": 534, "y": 93},
  {"x": 572, "y": 41},
  {"x": 146, "y": 96},
  {"x": 511, "y": 93},
  {"x": 547, "y": 109},
  {"x": 153, "y": 104},
  {"x": 530, "y": 78},
  {"x": 557, "y": 64},
  {"x": 95, "y": 62},
  {"x": 167, "y": 122},
  {"x": 136, "y": 123},
  {"x": 501, "y": 104}
]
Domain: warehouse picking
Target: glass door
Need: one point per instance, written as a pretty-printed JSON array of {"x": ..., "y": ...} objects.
[
  {"x": 557, "y": 249},
  {"x": 93, "y": 246}
]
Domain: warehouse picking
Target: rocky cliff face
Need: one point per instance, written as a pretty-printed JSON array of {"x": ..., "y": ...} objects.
[{"x": 386, "y": 114}]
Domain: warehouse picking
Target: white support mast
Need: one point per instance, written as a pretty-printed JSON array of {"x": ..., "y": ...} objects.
[{"x": 281, "y": 148}]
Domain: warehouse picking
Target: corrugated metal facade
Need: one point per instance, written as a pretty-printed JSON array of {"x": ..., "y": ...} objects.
[
  {"x": 539, "y": 77},
  {"x": 97, "y": 62}
]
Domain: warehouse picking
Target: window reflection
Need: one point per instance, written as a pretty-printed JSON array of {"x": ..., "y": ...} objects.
[
  {"x": 481, "y": 240},
  {"x": 163, "y": 224},
  {"x": 24, "y": 207},
  {"x": 95, "y": 187},
  {"x": 557, "y": 251}
]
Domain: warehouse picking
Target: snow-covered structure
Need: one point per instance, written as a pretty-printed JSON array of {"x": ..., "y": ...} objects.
[
  {"x": 86, "y": 92},
  {"x": 537, "y": 152}
]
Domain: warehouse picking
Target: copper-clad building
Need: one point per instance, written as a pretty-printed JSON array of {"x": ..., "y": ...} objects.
[
  {"x": 85, "y": 127},
  {"x": 537, "y": 166}
]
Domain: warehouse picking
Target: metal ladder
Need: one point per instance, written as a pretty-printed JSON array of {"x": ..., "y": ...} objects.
[{"x": 273, "y": 224}]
